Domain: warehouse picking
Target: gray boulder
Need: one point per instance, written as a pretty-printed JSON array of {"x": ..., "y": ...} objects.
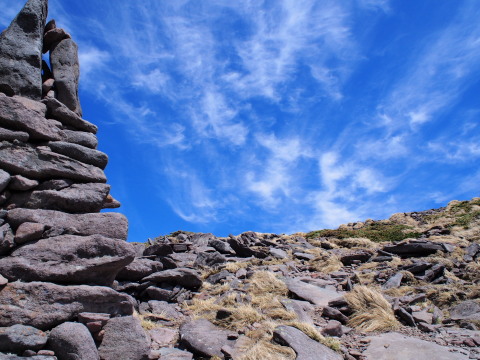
[
  {"x": 29, "y": 232},
  {"x": 21, "y": 116},
  {"x": 414, "y": 249},
  {"x": 39, "y": 163},
  {"x": 204, "y": 339},
  {"x": 138, "y": 269},
  {"x": 62, "y": 113},
  {"x": 305, "y": 347},
  {"x": 209, "y": 259},
  {"x": 314, "y": 294},
  {"x": 66, "y": 72},
  {"x": 45, "y": 305},
  {"x": 124, "y": 339},
  {"x": 78, "y": 198},
  {"x": 21, "y": 51},
  {"x": 21, "y": 183},
  {"x": 69, "y": 259},
  {"x": 466, "y": 310},
  {"x": 80, "y": 153},
  {"x": 18, "y": 338},
  {"x": 4, "y": 179},
  {"x": 72, "y": 341},
  {"x": 187, "y": 278},
  {"x": 80, "y": 137},
  {"x": 111, "y": 225},
  {"x": 11, "y": 135}
]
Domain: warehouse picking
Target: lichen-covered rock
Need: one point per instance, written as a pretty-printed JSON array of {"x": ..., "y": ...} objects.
[
  {"x": 45, "y": 305},
  {"x": 21, "y": 51},
  {"x": 68, "y": 259},
  {"x": 72, "y": 341}
]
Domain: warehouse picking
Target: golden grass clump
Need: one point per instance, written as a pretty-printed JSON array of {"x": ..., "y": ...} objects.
[
  {"x": 263, "y": 282},
  {"x": 266, "y": 350},
  {"x": 233, "y": 267},
  {"x": 359, "y": 243},
  {"x": 372, "y": 312},
  {"x": 324, "y": 262}
]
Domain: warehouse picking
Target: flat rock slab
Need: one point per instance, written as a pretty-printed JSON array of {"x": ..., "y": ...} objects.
[
  {"x": 18, "y": 338},
  {"x": 45, "y": 305},
  {"x": 139, "y": 269},
  {"x": 187, "y": 278},
  {"x": 72, "y": 341},
  {"x": 69, "y": 259},
  {"x": 111, "y": 225},
  {"x": 466, "y": 310},
  {"x": 414, "y": 249},
  {"x": 80, "y": 153},
  {"x": 124, "y": 339},
  {"x": 395, "y": 346},
  {"x": 305, "y": 347},
  {"x": 314, "y": 294},
  {"x": 67, "y": 117},
  {"x": 204, "y": 339},
  {"x": 42, "y": 164},
  {"x": 21, "y": 51},
  {"x": 16, "y": 115}
]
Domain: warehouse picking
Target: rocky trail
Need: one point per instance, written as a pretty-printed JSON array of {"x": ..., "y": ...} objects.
[{"x": 72, "y": 287}]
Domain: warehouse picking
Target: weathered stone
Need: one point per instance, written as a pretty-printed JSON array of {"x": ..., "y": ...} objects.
[
  {"x": 18, "y": 338},
  {"x": 72, "y": 341},
  {"x": 7, "y": 242},
  {"x": 406, "y": 317},
  {"x": 111, "y": 203},
  {"x": 62, "y": 113},
  {"x": 45, "y": 305},
  {"x": 163, "y": 336},
  {"x": 303, "y": 309},
  {"x": 80, "y": 137},
  {"x": 3, "y": 281},
  {"x": 333, "y": 328},
  {"x": 332, "y": 313},
  {"x": 68, "y": 259},
  {"x": 4, "y": 179},
  {"x": 52, "y": 37},
  {"x": 422, "y": 316},
  {"x": 355, "y": 256},
  {"x": 42, "y": 164},
  {"x": 466, "y": 310},
  {"x": 21, "y": 183},
  {"x": 158, "y": 250},
  {"x": 209, "y": 259},
  {"x": 203, "y": 338},
  {"x": 182, "y": 276},
  {"x": 158, "y": 294},
  {"x": 314, "y": 294},
  {"x": 218, "y": 277},
  {"x": 87, "y": 317},
  {"x": 161, "y": 307},
  {"x": 174, "y": 354},
  {"x": 221, "y": 246},
  {"x": 139, "y": 269},
  {"x": 21, "y": 50},
  {"x": 10, "y": 135},
  {"x": 111, "y": 225},
  {"x": 47, "y": 86},
  {"x": 15, "y": 115},
  {"x": 414, "y": 249},
  {"x": 29, "y": 232},
  {"x": 57, "y": 184},
  {"x": 124, "y": 339},
  {"x": 394, "y": 282},
  {"x": 395, "y": 346},
  {"x": 78, "y": 198},
  {"x": 305, "y": 347},
  {"x": 278, "y": 253},
  {"x": 66, "y": 72},
  {"x": 80, "y": 153},
  {"x": 34, "y": 105}
]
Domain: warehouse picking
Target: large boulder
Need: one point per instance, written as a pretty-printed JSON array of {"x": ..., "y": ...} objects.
[
  {"x": 467, "y": 310},
  {"x": 40, "y": 163},
  {"x": 72, "y": 341},
  {"x": 18, "y": 115},
  {"x": 111, "y": 225},
  {"x": 46, "y": 305},
  {"x": 124, "y": 339},
  {"x": 77, "y": 198},
  {"x": 305, "y": 347},
  {"x": 314, "y": 294},
  {"x": 21, "y": 51},
  {"x": 187, "y": 278},
  {"x": 69, "y": 259},
  {"x": 18, "y": 338},
  {"x": 66, "y": 72},
  {"x": 139, "y": 269}
]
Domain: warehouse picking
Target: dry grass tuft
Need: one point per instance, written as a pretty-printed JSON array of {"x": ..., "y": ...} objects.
[
  {"x": 308, "y": 329},
  {"x": 359, "y": 243},
  {"x": 324, "y": 262},
  {"x": 266, "y": 350},
  {"x": 372, "y": 312},
  {"x": 233, "y": 267},
  {"x": 263, "y": 282}
]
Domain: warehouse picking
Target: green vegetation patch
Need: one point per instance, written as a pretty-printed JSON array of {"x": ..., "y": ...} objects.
[{"x": 385, "y": 231}]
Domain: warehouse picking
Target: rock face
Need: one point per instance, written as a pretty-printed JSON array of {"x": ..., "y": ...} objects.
[
  {"x": 21, "y": 51},
  {"x": 72, "y": 341}
]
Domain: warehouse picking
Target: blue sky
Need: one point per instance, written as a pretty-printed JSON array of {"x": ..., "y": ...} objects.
[{"x": 278, "y": 116}]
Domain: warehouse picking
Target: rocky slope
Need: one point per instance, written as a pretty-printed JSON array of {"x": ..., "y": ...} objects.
[{"x": 71, "y": 287}]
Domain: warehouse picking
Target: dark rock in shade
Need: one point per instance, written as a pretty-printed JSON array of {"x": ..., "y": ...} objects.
[
  {"x": 182, "y": 276},
  {"x": 52, "y": 37},
  {"x": 139, "y": 269},
  {"x": 45, "y": 305},
  {"x": 221, "y": 246},
  {"x": 80, "y": 153},
  {"x": 7, "y": 242},
  {"x": 4, "y": 179},
  {"x": 78, "y": 198},
  {"x": 209, "y": 259},
  {"x": 203, "y": 338},
  {"x": 21, "y": 183},
  {"x": 333, "y": 328},
  {"x": 29, "y": 232},
  {"x": 41, "y": 164},
  {"x": 218, "y": 277},
  {"x": 18, "y": 338},
  {"x": 69, "y": 259},
  {"x": 62, "y": 113},
  {"x": 159, "y": 294},
  {"x": 57, "y": 184},
  {"x": 406, "y": 317},
  {"x": 466, "y": 310},
  {"x": 11, "y": 135},
  {"x": 80, "y": 137},
  {"x": 15, "y": 115},
  {"x": 111, "y": 225},
  {"x": 124, "y": 339},
  {"x": 66, "y": 72},
  {"x": 21, "y": 50},
  {"x": 29, "y": 356},
  {"x": 414, "y": 249},
  {"x": 434, "y": 272},
  {"x": 158, "y": 250},
  {"x": 305, "y": 347},
  {"x": 358, "y": 255},
  {"x": 161, "y": 307},
  {"x": 332, "y": 313},
  {"x": 72, "y": 341},
  {"x": 52, "y": 24}
]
